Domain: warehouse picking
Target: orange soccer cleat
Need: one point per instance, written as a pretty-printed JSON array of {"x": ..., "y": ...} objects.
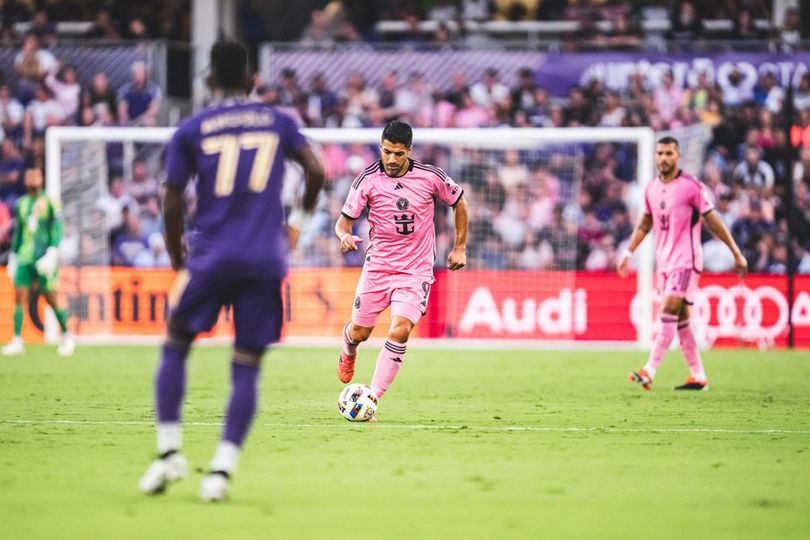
[
  {"x": 693, "y": 384},
  {"x": 641, "y": 377},
  {"x": 345, "y": 367}
]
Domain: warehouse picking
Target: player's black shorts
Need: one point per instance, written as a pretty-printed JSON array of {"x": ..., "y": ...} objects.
[{"x": 257, "y": 309}]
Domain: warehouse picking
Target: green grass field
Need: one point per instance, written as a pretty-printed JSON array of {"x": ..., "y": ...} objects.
[{"x": 470, "y": 444}]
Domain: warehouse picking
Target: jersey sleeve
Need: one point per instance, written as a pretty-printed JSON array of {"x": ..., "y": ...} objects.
[
  {"x": 294, "y": 139},
  {"x": 357, "y": 198},
  {"x": 446, "y": 190},
  {"x": 55, "y": 224},
  {"x": 700, "y": 199},
  {"x": 647, "y": 206},
  {"x": 179, "y": 159}
]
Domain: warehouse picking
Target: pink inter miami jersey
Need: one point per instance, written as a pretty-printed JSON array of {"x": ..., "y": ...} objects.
[
  {"x": 401, "y": 237},
  {"x": 676, "y": 208}
]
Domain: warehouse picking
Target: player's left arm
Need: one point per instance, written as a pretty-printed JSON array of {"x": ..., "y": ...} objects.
[
  {"x": 719, "y": 229},
  {"x": 173, "y": 225},
  {"x": 458, "y": 257},
  {"x": 47, "y": 264}
]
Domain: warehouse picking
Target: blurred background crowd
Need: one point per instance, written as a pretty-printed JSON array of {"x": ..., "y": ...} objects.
[{"x": 564, "y": 207}]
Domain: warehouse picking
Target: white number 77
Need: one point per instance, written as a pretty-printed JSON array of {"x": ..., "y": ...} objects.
[{"x": 229, "y": 146}]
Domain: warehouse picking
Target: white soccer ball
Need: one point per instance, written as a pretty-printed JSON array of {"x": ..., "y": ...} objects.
[{"x": 357, "y": 403}]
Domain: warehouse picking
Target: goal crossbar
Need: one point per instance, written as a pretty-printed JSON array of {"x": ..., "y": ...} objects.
[{"x": 642, "y": 137}]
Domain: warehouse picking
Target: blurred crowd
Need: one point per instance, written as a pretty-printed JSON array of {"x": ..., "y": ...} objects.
[
  {"x": 567, "y": 207},
  {"x": 41, "y": 92},
  {"x": 746, "y": 168}
]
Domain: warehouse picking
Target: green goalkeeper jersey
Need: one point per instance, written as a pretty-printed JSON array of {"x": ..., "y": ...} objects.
[{"x": 38, "y": 227}]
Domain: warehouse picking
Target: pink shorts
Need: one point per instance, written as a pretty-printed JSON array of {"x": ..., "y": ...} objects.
[
  {"x": 680, "y": 282},
  {"x": 407, "y": 295}
]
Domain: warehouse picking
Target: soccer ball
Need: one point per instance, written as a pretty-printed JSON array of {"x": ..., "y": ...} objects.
[{"x": 357, "y": 403}]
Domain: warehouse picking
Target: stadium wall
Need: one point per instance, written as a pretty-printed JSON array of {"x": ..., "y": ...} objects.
[{"x": 577, "y": 307}]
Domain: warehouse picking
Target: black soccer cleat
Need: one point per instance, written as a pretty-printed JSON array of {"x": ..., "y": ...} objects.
[{"x": 692, "y": 384}]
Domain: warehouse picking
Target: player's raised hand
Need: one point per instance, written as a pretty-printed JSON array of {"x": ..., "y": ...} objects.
[
  {"x": 457, "y": 259},
  {"x": 349, "y": 243},
  {"x": 740, "y": 264}
]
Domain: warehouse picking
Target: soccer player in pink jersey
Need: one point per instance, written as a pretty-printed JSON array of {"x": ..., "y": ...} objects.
[
  {"x": 674, "y": 203},
  {"x": 398, "y": 271}
]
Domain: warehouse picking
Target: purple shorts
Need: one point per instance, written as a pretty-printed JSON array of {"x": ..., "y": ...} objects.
[
  {"x": 256, "y": 307},
  {"x": 407, "y": 295},
  {"x": 680, "y": 282}
]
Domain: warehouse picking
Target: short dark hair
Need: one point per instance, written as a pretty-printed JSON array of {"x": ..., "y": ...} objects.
[
  {"x": 669, "y": 140},
  {"x": 398, "y": 133},
  {"x": 229, "y": 65}
]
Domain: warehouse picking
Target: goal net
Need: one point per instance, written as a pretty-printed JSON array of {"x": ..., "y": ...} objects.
[{"x": 549, "y": 211}]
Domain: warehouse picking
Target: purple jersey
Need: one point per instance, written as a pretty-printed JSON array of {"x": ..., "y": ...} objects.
[{"x": 237, "y": 151}]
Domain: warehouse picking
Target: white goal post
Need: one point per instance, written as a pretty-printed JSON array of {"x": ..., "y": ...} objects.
[{"x": 494, "y": 138}]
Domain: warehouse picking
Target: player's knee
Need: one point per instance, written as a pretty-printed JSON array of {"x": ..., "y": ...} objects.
[
  {"x": 248, "y": 356},
  {"x": 359, "y": 333},
  {"x": 400, "y": 331},
  {"x": 178, "y": 337}
]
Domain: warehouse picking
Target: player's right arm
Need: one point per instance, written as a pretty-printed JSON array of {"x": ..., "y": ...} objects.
[
  {"x": 179, "y": 168},
  {"x": 16, "y": 241},
  {"x": 643, "y": 228},
  {"x": 343, "y": 230}
]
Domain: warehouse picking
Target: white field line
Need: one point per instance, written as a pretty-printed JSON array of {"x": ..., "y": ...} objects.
[{"x": 550, "y": 429}]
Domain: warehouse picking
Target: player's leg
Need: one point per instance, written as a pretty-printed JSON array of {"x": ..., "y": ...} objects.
[
  {"x": 16, "y": 346},
  {"x": 258, "y": 314},
  {"x": 196, "y": 303},
  {"x": 409, "y": 301},
  {"x": 371, "y": 298},
  {"x": 392, "y": 354},
  {"x": 671, "y": 307},
  {"x": 66, "y": 344},
  {"x": 691, "y": 353}
]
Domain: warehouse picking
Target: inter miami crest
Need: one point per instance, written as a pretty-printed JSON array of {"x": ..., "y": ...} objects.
[
  {"x": 402, "y": 204},
  {"x": 357, "y": 303},
  {"x": 663, "y": 205}
]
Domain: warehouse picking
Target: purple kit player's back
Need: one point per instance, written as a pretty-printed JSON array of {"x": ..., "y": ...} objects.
[
  {"x": 236, "y": 149},
  {"x": 237, "y": 256}
]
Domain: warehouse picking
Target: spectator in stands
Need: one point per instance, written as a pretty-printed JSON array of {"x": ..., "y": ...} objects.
[
  {"x": 744, "y": 27},
  {"x": 523, "y": 96},
  {"x": 43, "y": 28},
  {"x": 144, "y": 185},
  {"x": 754, "y": 171},
  {"x": 129, "y": 242},
  {"x": 289, "y": 91},
  {"x": 791, "y": 32},
  {"x": 139, "y": 100},
  {"x": 43, "y": 111},
  {"x": 112, "y": 205},
  {"x": 685, "y": 26},
  {"x": 470, "y": 114},
  {"x": 443, "y": 10},
  {"x": 32, "y": 65},
  {"x": 11, "y": 173},
  {"x": 801, "y": 97},
  {"x": 99, "y": 95},
  {"x": 489, "y": 91},
  {"x": 137, "y": 31},
  {"x": 736, "y": 91},
  {"x": 667, "y": 97},
  {"x": 613, "y": 114},
  {"x": 103, "y": 27},
  {"x": 476, "y": 10},
  {"x": 321, "y": 103},
  {"x": 11, "y": 113},
  {"x": 768, "y": 94},
  {"x": 66, "y": 90},
  {"x": 697, "y": 96},
  {"x": 415, "y": 100},
  {"x": 316, "y": 34},
  {"x": 155, "y": 256},
  {"x": 578, "y": 111}
]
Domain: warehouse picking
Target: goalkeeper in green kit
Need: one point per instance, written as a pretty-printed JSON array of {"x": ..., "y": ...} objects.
[{"x": 35, "y": 258}]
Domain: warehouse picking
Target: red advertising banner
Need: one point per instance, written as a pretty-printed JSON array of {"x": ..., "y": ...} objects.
[
  {"x": 602, "y": 307},
  {"x": 480, "y": 304}
]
